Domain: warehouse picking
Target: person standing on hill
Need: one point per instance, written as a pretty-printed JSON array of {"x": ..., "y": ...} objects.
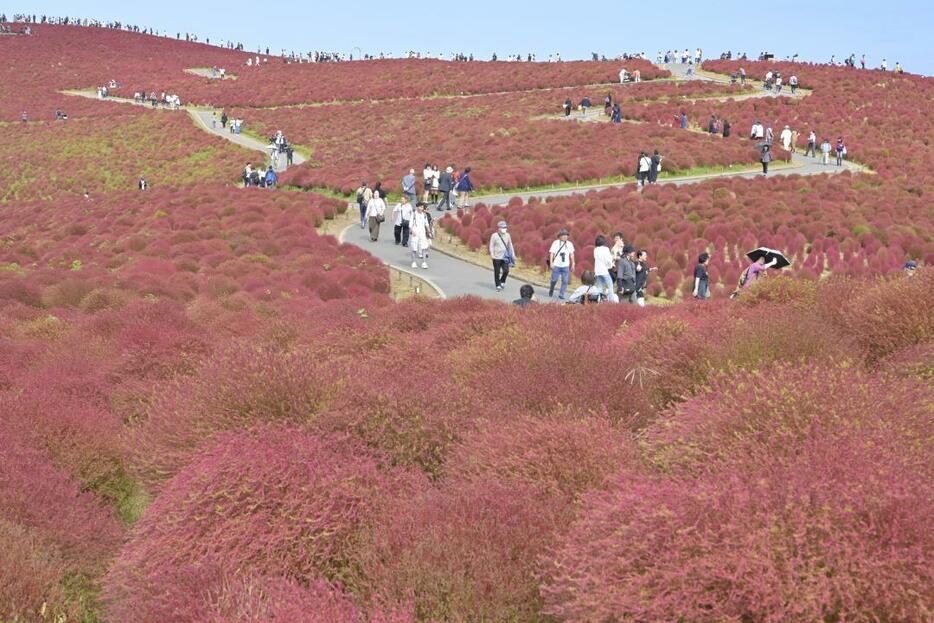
[
  {"x": 702, "y": 277},
  {"x": 683, "y": 120},
  {"x": 825, "y": 149},
  {"x": 617, "y": 116},
  {"x": 726, "y": 128},
  {"x": 408, "y": 187},
  {"x": 602, "y": 264},
  {"x": 841, "y": 151},
  {"x": 503, "y": 254},
  {"x": 793, "y": 82},
  {"x": 364, "y": 194},
  {"x": 567, "y": 107},
  {"x": 421, "y": 233},
  {"x": 143, "y": 184},
  {"x": 561, "y": 260},
  {"x": 642, "y": 276},
  {"x": 742, "y": 76},
  {"x": 464, "y": 188},
  {"x": 626, "y": 275},
  {"x": 445, "y": 186},
  {"x": 375, "y": 214}
]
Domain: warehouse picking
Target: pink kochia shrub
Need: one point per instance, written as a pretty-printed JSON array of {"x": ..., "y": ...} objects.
[
  {"x": 797, "y": 494},
  {"x": 274, "y": 501}
]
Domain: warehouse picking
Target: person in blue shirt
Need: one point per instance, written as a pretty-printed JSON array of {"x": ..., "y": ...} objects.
[
  {"x": 684, "y": 120},
  {"x": 271, "y": 178},
  {"x": 464, "y": 188}
]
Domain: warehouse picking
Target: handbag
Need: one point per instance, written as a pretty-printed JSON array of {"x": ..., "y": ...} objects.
[{"x": 508, "y": 257}]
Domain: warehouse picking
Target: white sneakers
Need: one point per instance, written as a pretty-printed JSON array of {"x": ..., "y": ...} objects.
[
  {"x": 424, "y": 264},
  {"x": 414, "y": 264}
]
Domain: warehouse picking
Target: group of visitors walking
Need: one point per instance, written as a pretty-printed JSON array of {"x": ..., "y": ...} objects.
[
  {"x": 260, "y": 177},
  {"x": 647, "y": 168},
  {"x": 413, "y": 226}
]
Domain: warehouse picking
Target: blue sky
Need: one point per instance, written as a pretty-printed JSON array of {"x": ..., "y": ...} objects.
[{"x": 897, "y": 30}]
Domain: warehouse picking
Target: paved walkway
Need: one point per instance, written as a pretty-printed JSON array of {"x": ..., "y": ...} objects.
[{"x": 449, "y": 275}]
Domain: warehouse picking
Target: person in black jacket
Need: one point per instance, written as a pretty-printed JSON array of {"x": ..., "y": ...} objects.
[
  {"x": 655, "y": 167},
  {"x": 726, "y": 128}
]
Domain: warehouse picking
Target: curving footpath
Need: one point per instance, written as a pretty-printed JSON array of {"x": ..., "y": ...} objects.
[{"x": 453, "y": 276}]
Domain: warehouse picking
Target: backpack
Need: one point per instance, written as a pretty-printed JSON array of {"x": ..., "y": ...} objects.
[{"x": 359, "y": 195}]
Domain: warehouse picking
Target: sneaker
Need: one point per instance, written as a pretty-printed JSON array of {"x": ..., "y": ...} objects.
[
  {"x": 498, "y": 288},
  {"x": 424, "y": 264},
  {"x": 414, "y": 264}
]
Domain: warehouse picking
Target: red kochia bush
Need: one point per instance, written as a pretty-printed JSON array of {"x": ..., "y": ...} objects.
[
  {"x": 260, "y": 600},
  {"x": 563, "y": 456},
  {"x": 463, "y": 553},
  {"x": 763, "y": 415},
  {"x": 30, "y": 575},
  {"x": 238, "y": 388},
  {"x": 276, "y": 501},
  {"x": 841, "y": 533}
]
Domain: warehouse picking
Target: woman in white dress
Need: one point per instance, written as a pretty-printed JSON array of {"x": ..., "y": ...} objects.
[{"x": 420, "y": 234}]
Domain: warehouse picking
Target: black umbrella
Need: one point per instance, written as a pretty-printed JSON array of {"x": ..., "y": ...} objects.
[{"x": 769, "y": 254}]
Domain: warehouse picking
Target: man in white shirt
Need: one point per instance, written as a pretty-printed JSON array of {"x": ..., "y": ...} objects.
[
  {"x": 402, "y": 217},
  {"x": 561, "y": 258},
  {"x": 785, "y": 137}
]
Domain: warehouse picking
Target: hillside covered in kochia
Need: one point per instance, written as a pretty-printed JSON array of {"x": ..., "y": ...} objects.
[{"x": 210, "y": 410}]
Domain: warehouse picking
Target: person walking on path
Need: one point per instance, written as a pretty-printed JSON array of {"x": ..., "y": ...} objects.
[
  {"x": 464, "y": 188},
  {"x": 375, "y": 214},
  {"x": 289, "y": 155},
  {"x": 401, "y": 218},
  {"x": 364, "y": 194},
  {"x": 421, "y": 233},
  {"x": 742, "y": 76},
  {"x": 626, "y": 274},
  {"x": 841, "y": 151},
  {"x": 793, "y": 82},
  {"x": 683, "y": 120},
  {"x": 617, "y": 116},
  {"x": 408, "y": 187},
  {"x": 655, "y": 168},
  {"x": 561, "y": 259},
  {"x": 445, "y": 186},
  {"x": 503, "y": 253},
  {"x": 785, "y": 137},
  {"x": 602, "y": 264},
  {"x": 427, "y": 177},
  {"x": 642, "y": 169},
  {"x": 702, "y": 277},
  {"x": 765, "y": 159},
  {"x": 794, "y": 141},
  {"x": 567, "y": 107},
  {"x": 825, "y": 149},
  {"x": 769, "y": 135},
  {"x": 726, "y": 128},
  {"x": 224, "y": 119},
  {"x": 812, "y": 145}
]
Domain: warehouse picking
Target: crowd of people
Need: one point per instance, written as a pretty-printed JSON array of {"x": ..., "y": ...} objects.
[
  {"x": 166, "y": 100},
  {"x": 259, "y": 177}
]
